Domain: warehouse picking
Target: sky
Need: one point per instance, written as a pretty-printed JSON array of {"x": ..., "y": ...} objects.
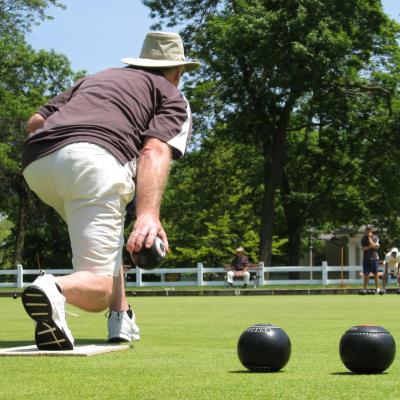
[{"x": 95, "y": 35}]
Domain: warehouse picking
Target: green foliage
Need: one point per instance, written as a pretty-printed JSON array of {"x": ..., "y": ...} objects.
[
  {"x": 208, "y": 206},
  {"x": 5, "y": 230},
  {"x": 20, "y": 15},
  {"x": 28, "y": 79},
  {"x": 296, "y": 116}
]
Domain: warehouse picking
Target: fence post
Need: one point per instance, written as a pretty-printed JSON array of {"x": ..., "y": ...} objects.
[
  {"x": 324, "y": 273},
  {"x": 138, "y": 277},
  {"x": 20, "y": 276},
  {"x": 260, "y": 274},
  {"x": 200, "y": 279}
]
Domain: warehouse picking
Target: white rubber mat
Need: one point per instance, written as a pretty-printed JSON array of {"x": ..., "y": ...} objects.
[{"x": 79, "y": 350}]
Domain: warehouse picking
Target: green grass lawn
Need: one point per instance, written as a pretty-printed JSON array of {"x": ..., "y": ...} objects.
[{"x": 188, "y": 351}]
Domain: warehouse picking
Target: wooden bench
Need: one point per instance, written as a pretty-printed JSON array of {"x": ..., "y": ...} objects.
[{"x": 254, "y": 269}]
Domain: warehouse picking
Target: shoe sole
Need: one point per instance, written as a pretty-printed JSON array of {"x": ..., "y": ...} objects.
[{"x": 48, "y": 336}]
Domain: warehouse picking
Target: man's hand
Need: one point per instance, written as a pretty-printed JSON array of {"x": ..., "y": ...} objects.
[{"x": 146, "y": 228}]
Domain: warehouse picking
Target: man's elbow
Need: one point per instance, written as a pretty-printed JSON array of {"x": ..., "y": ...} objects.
[
  {"x": 156, "y": 148},
  {"x": 36, "y": 121}
]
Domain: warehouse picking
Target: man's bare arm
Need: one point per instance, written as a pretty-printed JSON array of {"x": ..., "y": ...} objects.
[
  {"x": 373, "y": 244},
  {"x": 152, "y": 176}
]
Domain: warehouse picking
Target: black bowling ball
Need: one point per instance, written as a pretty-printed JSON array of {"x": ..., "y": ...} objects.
[
  {"x": 264, "y": 348},
  {"x": 367, "y": 349},
  {"x": 150, "y": 258}
]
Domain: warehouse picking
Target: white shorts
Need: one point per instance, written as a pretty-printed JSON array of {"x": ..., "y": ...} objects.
[{"x": 89, "y": 188}]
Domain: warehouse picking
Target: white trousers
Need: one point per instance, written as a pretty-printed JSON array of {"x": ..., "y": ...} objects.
[
  {"x": 231, "y": 274},
  {"x": 89, "y": 188}
]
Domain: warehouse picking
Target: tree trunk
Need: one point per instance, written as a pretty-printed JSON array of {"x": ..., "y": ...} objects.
[
  {"x": 294, "y": 243},
  {"x": 274, "y": 162},
  {"x": 294, "y": 221},
  {"x": 268, "y": 212}
]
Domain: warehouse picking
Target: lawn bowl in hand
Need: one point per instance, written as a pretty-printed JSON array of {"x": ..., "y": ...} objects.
[
  {"x": 264, "y": 348},
  {"x": 150, "y": 258}
]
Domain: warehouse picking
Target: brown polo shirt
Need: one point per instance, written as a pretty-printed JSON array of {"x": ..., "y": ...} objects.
[{"x": 116, "y": 109}]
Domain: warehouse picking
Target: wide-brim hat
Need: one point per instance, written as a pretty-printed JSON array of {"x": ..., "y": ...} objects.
[
  {"x": 162, "y": 50},
  {"x": 240, "y": 249},
  {"x": 394, "y": 250}
]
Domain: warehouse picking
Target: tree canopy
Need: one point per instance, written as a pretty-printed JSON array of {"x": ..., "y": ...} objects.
[
  {"x": 27, "y": 79},
  {"x": 272, "y": 67},
  {"x": 19, "y": 15}
]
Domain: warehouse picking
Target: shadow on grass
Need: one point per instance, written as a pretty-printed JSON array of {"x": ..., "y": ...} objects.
[
  {"x": 246, "y": 371},
  {"x": 90, "y": 341},
  {"x": 4, "y": 344},
  {"x": 349, "y": 373}
]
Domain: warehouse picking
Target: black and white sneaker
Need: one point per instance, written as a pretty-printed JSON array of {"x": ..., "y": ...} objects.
[
  {"x": 44, "y": 303},
  {"x": 122, "y": 326}
]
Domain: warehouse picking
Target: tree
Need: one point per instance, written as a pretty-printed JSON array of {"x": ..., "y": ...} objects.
[
  {"x": 265, "y": 57},
  {"x": 28, "y": 79},
  {"x": 212, "y": 203},
  {"x": 17, "y": 100}
]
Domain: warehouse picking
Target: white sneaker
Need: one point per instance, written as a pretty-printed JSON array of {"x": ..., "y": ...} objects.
[
  {"x": 46, "y": 305},
  {"x": 122, "y": 326}
]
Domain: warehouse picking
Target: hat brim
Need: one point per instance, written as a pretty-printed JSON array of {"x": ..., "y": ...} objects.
[{"x": 150, "y": 63}]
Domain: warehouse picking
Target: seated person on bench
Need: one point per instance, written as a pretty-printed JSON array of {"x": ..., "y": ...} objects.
[{"x": 239, "y": 265}]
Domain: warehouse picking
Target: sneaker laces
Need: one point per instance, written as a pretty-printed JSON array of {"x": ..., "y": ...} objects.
[{"x": 71, "y": 313}]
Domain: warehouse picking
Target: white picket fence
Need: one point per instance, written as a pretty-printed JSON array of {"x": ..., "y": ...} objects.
[{"x": 201, "y": 276}]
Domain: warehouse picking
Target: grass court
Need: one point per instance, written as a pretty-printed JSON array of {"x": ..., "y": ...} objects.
[{"x": 188, "y": 351}]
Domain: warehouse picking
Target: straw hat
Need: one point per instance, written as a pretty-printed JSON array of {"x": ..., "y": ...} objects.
[{"x": 162, "y": 50}]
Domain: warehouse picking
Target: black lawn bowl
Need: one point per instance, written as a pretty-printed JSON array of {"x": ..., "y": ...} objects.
[
  {"x": 367, "y": 349},
  {"x": 150, "y": 258},
  {"x": 264, "y": 348}
]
